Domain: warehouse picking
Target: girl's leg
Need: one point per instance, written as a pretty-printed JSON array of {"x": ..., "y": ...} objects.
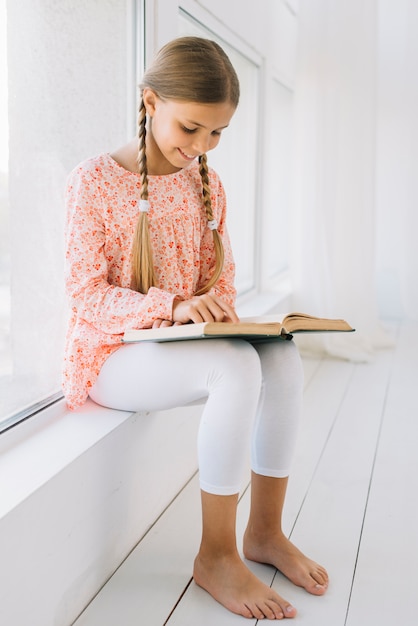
[
  {"x": 228, "y": 373},
  {"x": 157, "y": 376},
  {"x": 265, "y": 542},
  {"x": 273, "y": 444},
  {"x": 219, "y": 569}
]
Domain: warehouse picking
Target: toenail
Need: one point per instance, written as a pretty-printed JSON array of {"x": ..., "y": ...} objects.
[{"x": 290, "y": 608}]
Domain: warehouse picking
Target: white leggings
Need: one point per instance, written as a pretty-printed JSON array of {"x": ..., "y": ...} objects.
[{"x": 252, "y": 392}]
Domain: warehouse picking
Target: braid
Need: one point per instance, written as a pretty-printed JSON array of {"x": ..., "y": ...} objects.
[
  {"x": 143, "y": 275},
  {"x": 142, "y": 157},
  {"x": 217, "y": 240}
]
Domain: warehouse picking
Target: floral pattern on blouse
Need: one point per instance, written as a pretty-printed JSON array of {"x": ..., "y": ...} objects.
[{"x": 102, "y": 200}]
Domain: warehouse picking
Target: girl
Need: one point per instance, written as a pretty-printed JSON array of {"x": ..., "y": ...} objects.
[{"x": 147, "y": 245}]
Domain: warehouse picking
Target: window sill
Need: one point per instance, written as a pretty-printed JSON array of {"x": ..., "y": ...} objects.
[{"x": 34, "y": 451}]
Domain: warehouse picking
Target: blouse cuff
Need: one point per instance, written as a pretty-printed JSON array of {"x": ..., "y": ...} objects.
[{"x": 163, "y": 307}]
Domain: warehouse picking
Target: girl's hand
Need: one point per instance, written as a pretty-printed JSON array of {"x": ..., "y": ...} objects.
[
  {"x": 159, "y": 323},
  {"x": 203, "y": 308}
]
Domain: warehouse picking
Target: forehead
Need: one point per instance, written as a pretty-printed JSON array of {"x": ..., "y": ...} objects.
[{"x": 214, "y": 115}]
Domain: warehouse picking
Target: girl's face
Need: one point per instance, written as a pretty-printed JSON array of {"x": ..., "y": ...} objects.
[{"x": 181, "y": 131}]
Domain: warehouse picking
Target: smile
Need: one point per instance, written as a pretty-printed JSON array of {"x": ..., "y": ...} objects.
[{"x": 188, "y": 157}]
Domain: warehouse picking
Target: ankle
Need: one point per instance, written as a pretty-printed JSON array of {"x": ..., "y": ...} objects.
[
  {"x": 260, "y": 533},
  {"x": 216, "y": 552}
]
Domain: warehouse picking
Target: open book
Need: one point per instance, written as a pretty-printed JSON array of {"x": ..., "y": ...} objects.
[{"x": 265, "y": 327}]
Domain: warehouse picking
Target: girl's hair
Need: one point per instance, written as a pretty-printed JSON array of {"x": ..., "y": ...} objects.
[{"x": 189, "y": 69}]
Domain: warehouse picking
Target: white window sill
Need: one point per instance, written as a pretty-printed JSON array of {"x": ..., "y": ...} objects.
[{"x": 32, "y": 452}]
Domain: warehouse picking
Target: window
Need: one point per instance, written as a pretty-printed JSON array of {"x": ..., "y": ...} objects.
[
  {"x": 5, "y": 247},
  {"x": 67, "y": 101},
  {"x": 236, "y": 158},
  {"x": 277, "y": 173}
]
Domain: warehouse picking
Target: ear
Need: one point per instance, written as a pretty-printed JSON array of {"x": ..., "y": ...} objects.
[{"x": 150, "y": 99}]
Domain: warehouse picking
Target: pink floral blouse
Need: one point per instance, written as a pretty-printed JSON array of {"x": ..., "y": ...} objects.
[{"x": 102, "y": 210}]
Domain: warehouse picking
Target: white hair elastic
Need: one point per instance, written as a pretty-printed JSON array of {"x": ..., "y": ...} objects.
[
  {"x": 213, "y": 224},
  {"x": 144, "y": 206}
]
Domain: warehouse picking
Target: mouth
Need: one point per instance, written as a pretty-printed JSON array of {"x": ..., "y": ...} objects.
[{"x": 188, "y": 157}]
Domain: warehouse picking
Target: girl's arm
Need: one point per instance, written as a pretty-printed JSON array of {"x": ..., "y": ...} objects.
[{"x": 108, "y": 307}]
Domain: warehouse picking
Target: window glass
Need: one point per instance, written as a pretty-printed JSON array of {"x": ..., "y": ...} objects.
[
  {"x": 277, "y": 182},
  {"x": 235, "y": 159},
  {"x": 67, "y": 101},
  {"x": 5, "y": 247}
]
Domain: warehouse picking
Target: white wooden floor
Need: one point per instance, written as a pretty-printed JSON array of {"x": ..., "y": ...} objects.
[{"x": 352, "y": 505}]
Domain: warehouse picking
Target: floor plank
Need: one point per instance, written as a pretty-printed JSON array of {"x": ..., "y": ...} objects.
[
  {"x": 322, "y": 399},
  {"x": 386, "y": 578},
  {"x": 149, "y": 583},
  {"x": 330, "y": 521}
]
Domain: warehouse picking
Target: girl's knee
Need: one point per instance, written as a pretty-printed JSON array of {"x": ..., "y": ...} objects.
[
  {"x": 281, "y": 364},
  {"x": 292, "y": 367},
  {"x": 239, "y": 363}
]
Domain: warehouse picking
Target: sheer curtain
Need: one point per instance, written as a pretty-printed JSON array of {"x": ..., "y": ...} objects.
[
  {"x": 334, "y": 224},
  {"x": 397, "y": 159},
  {"x": 409, "y": 267}
]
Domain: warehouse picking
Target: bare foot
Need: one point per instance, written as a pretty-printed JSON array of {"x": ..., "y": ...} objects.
[
  {"x": 283, "y": 555},
  {"x": 231, "y": 583}
]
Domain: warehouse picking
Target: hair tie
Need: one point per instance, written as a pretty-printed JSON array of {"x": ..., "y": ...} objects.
[
  {"x": 143, "y": 206},
  {"x": 213, "y": 224}
]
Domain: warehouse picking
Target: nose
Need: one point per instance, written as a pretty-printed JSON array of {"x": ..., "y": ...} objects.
[{"x": 204, "y": 143}]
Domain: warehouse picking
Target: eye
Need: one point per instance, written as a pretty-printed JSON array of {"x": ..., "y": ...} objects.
[
  {"x": 187, "y": 130},
  {"x": 217, "y": 133}
]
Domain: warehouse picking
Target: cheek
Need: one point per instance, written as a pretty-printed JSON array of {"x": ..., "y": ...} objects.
[
  {"x": 162, "y": 130},
  {"x": 171, "y": 135},
  {"x": 215, "y": 139}
]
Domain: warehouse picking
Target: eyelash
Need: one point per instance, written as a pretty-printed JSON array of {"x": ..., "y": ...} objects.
[{"x": 190, "y": 131}]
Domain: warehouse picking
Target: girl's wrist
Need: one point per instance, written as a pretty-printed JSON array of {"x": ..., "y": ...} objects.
[{"x": 176, "y": 302}]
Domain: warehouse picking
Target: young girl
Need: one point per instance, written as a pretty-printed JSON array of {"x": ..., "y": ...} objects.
[{"x": 147, "y": 246}]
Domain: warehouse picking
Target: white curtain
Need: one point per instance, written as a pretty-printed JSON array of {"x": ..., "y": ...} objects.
[
  {"x": 397, "y": 155},
  {"x": 334, "y": 223}
]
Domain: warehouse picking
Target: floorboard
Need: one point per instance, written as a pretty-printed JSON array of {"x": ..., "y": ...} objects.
[
  {"x": 330, "y": 521},
  {"x": 147, "y": 586},
  {"x": 386, "y": 578}
]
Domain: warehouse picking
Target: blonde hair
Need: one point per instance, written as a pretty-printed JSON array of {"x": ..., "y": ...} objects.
[{"x": 190, "y": 69}]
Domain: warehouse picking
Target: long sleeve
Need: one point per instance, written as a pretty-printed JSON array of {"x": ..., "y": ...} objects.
[{"x": 109, "y": 307}]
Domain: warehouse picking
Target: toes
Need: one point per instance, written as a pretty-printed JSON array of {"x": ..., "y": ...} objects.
[
  {"x": 255, "y": 611},
  {"x": 271, "y": 610},
  {"x": 263, "y": 610},
  {"x": 320, "y": 577},
  {"x": 281, "y": 609},
  {"x": 290, "y": 611},
  {"x": 317, "y": 588},
  {"x": 246, "y": 612}
]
